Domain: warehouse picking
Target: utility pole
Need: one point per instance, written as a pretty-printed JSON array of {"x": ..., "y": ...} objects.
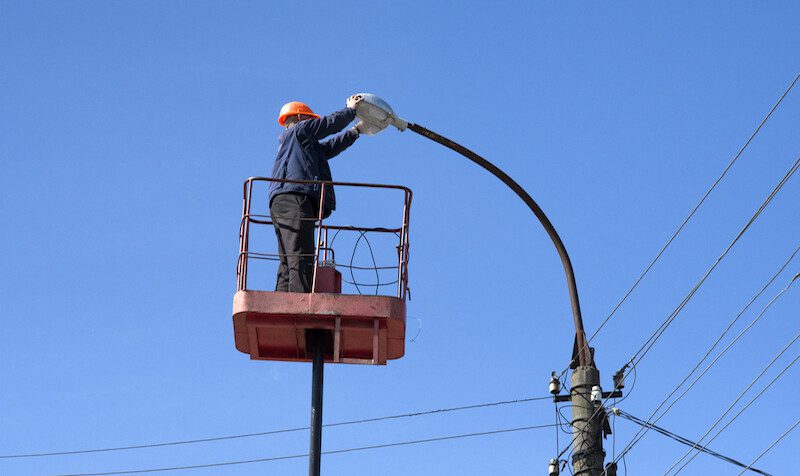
[{"x": 587, "y": 449}]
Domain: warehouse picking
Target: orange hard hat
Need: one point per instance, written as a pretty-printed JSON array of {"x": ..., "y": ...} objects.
[{"x": 294, "y": 108}]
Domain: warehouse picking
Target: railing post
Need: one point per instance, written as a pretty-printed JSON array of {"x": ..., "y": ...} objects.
[
  {"x": 401, "y": 250},
  {"x": 319, "y": 236},
  {"x": 244, "y": 240}
]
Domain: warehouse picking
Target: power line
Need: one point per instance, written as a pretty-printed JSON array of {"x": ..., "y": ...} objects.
[
  {"x": 275, "y": 432},
  {"x": 685, "y": 441},
  {"x": 650, "y": 419},
  {"x": 686, "y": 220},
  {"x": 635, "y": 440},
  {"x": 345, "y": 450},
  {"x": 756, "y": 397},
  {"x": 650, "y": 342},
  {"x": 772, "y": 445},
  {"x": 739, "y": 397}
]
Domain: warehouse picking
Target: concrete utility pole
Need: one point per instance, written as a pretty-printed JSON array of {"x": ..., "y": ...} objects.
[{"x": 587, "y": 449}]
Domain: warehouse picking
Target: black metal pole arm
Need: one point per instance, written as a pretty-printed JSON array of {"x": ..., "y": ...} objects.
[{"x": 584, "y": 354}]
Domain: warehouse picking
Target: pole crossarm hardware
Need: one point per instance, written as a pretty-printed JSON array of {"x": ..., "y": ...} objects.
[
  {"x": 584, "y": 357},
  {"x": 606, "y": 395}
]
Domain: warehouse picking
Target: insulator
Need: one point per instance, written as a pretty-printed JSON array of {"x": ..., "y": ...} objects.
[
  {"x": 597, "y": 394},
  {"x": 552, "y": 468},
  {"x": 555, "y": 384}
]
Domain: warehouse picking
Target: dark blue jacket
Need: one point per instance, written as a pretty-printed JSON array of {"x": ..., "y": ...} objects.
[{"x": 301, "y": 155}]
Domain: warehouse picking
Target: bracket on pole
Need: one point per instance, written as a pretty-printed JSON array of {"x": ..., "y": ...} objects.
[
  {"x": 568, "y": 398},
  {"x": 588, "y": 354}
]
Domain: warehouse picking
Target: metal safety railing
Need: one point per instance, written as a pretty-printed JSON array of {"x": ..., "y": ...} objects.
[{"x": 323, "y": 247}]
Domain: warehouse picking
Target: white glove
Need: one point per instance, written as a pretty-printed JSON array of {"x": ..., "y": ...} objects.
[
  {"x": 359, "y": 127},
  {"x": 353, "y": 100}
]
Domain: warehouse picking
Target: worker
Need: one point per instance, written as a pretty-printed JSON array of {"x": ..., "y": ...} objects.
[{"x": 294, "y": 207}]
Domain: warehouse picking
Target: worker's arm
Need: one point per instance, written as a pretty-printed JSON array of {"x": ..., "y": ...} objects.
[
  {"x": 333, "y": 147},
  {"x": 319, "y": 128}
]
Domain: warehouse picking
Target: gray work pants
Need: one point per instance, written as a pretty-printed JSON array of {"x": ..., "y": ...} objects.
[{"x": 293, "y": 216}]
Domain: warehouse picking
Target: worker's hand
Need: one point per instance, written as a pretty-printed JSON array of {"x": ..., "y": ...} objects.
[
  {"x": 353, "y": 100},
  {"x": 359, "y": 127}
]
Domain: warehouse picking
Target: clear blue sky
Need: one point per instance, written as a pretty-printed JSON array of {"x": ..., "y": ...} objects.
[{"x": 127, "y": 129}]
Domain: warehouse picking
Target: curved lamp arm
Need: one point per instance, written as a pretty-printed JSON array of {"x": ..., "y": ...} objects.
[{"x": 583, "y": 357}]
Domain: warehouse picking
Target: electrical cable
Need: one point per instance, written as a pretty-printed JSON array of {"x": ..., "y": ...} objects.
[
  {"x": 686, "y": 220},
  {"x": 625, "y": 465},
  {"x": 330, "y": 452},
  {"x": 745, "y": 407},
  {"x": 274, "y": 432},
  {"x": 639, "y": 435},
  {"x": 366, "y": 268},
  {"x": 651, "y": 419},
  {"x": 650, "y": 342},
  {"x": 558, "y": 426},
  {"x": 685, "y": 441},
  {"x": 772, "y": 445},
  {"x": 335, "y": 235},
  {"x": 419, "y": 328},
  {"x": 352, "y": 257},
  {"x": 741, "y": 395},
  {"x": 614, "y": 434},
  {"x": 756, "y": 397},
  {"x": 374, "y": 264},
  {"x": 388, "y": 283},
  {"x": 566, "y": 423}
]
